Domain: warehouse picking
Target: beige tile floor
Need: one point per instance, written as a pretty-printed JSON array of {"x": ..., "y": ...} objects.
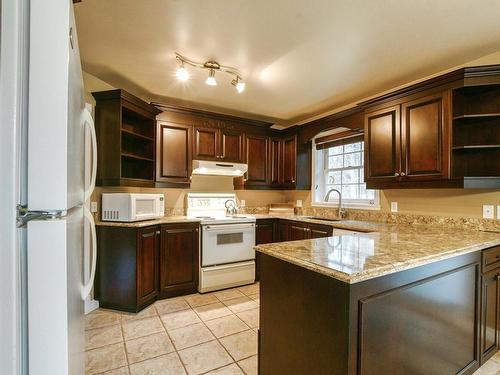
[{"x": 212, "y": 333}]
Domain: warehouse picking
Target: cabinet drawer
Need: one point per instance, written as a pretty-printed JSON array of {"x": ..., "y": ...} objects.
[{"x": 491, "y": 259}]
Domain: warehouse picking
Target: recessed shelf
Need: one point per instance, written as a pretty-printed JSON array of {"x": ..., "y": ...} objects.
[
  {"x": 477, "y": 116},
  {"x": 136, "y": 135},
  {"x": 475, "y": 147},
  {"x": 136, "y": 157}
]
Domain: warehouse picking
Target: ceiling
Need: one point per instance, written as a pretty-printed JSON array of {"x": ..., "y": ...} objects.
[{"x": 298, "y": 58}]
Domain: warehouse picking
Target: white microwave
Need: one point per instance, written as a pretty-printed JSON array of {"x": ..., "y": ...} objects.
[{"x": 132, "y": 207}]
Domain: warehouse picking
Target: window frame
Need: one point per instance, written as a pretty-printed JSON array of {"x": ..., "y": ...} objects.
[{"x": 334, "y": 202}]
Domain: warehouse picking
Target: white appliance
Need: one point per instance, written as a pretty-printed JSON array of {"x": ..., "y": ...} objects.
[
  {"x": 227, "y": 257},
  {"x": 218, "y": 168},
  {"x": 52, "y": 193},
  {"x": 132, "y": 206}
]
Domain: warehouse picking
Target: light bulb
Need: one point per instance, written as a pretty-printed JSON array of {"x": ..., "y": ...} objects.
[
  {"x": 240, "y": 87},
  {"x": 182, "y": 74},
  {"x": 211, "y": 78}
]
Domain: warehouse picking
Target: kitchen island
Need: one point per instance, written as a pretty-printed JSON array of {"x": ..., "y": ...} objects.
[{"x": 404, "y": 300}]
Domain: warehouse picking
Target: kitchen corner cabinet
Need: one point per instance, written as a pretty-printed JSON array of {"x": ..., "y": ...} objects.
[
  {"x": 409, "y": 141},
  {"x": 290, "y": 161},
  {"x": 136, "y": 266},
  {"x": 174, "y": 154},
  {"x": 218, "y": 144},
  {"x": 127, "y": 272},
  {"x": 490, "y": 304},
  {"x": 125, "y": 129},
  {"x": 257, "y": 159},
  {"x": 179, "y": 259}
]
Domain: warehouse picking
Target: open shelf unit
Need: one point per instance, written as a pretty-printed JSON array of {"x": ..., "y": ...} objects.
[
  {"x": 476, "y": 134},
  {"x": 126, "y": 139}
]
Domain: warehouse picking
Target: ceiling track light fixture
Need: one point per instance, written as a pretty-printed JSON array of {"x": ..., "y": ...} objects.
[{"x": 212, "y": 66}]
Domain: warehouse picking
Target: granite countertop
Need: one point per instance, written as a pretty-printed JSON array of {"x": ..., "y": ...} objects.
[
  {"x": 147, "y": 223},
  {"x": 357, "y": 257}
]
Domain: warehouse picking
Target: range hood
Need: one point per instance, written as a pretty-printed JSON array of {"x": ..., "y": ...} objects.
[{"x": 218, "y": 168}]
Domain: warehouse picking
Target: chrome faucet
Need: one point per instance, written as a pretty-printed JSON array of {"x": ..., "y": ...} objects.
[
  {"x": 341, "y": 211},
  {"x": 231, "y": 209}
]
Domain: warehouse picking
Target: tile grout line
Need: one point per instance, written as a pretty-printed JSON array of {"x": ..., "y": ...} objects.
[{"x": 172, "y": 341}]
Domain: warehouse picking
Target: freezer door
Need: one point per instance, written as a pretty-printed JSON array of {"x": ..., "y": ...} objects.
[
  {"x": 55, "y": 305},
  {"x": 56, "y": 107}
]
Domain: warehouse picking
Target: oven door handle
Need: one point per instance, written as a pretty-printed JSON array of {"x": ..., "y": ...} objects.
[{"x": 227, "y": 227}]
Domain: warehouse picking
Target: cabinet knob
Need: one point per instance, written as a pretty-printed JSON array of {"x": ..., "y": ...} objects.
[
  {"x": 403, "y": 174},
  {"x": 498, "y": 256},
  {"x": 158, "y": 232},
  {"x": 196, "y": 230},
  {"x": 497, "y": 276},
  {"x": 396, "y": 174},
  {"x": 293, "y": 181}
]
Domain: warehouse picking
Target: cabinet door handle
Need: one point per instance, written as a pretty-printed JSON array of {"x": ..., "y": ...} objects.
[
  {"x": 158, "y": 232},
  {"x": 396, "y": 174},
  {"x": 403, "y": 174},
  {"x": 497, "y": 276}
]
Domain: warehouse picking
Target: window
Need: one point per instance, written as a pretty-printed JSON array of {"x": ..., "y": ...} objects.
[{"x": 341, "y": 167}]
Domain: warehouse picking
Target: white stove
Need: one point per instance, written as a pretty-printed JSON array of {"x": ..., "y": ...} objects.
[{"x": 227, "y": 257}]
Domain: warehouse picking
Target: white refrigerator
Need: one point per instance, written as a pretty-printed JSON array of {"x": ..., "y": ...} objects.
[{"x": 53, "y": 216}]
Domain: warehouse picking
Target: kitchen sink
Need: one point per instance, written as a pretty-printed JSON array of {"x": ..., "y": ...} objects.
[{"x": 319, "y": 218}]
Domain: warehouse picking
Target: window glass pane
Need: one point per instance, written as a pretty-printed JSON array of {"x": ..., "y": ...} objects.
[
  {"x": 350, "y": 176},
  {"x": 352, "y": 160},
  {"x": 352, "y": 147},
  {"x": 335, "y": 162},
  {"x": 335, "y": 150},
  {"x": 334, "y": 177},
  {"x": 350, "y": 191}
]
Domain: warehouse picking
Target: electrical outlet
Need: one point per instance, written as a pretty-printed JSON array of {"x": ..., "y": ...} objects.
[
  {"x": 488, "y": 211},
  {"x": 394, "y": 206},
  {"x": 242, "y": 203},
  {"x": 299, "y": 203},
  {"x": 498, "y": 212},
  {"x": 93, "y": 206}
]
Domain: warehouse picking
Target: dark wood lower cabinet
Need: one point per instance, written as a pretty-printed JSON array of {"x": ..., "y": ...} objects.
[
  {"x": 148, "y": 243},
  {"x": 265, "y": 232},
  {"x": 179, "y": 259},
  {"x": 135, "y": 266},
  {"x": 296, "y": 230},
  {"x": 419, "y": 321},
  {"x": 490, "y": 303}
]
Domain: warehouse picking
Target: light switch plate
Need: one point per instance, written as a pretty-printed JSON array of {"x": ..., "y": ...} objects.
[
  {"x": 498, "y": 212},
  {"x": 394, "y": 206},
  {"x": 93, "y": 206},
  {"x": 299, "y": 203},
  {"x": 488, "y": 211},
  {"x": 242, "y": 203}
]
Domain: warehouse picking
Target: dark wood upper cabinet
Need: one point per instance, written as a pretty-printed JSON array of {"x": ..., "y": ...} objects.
[
  {"x": 425, "y": 138},
  {"x": 218, "y": 144},
  {"x": 256, "y": 157},
  {"x": 206, "y": 144},
  {"x": 276, "y": 157},
  {"x": 174, "y": 154},
  {"x": 125, "y": 129},
  {"x": 179, "y": 259},
  {"x": 148, "y": 246},
  {"x": 290, "y": 161},
  {"x": 382, "y": 145},
  {"x": 231, "y": 146}
]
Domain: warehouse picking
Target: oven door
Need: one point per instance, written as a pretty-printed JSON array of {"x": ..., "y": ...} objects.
[{"x": 227, "y": 243}]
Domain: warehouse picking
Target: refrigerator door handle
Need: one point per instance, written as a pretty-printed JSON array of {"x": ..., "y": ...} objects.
[
  {"x": 86, "y": 288},
  {"x": 88, "y": 122}
]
